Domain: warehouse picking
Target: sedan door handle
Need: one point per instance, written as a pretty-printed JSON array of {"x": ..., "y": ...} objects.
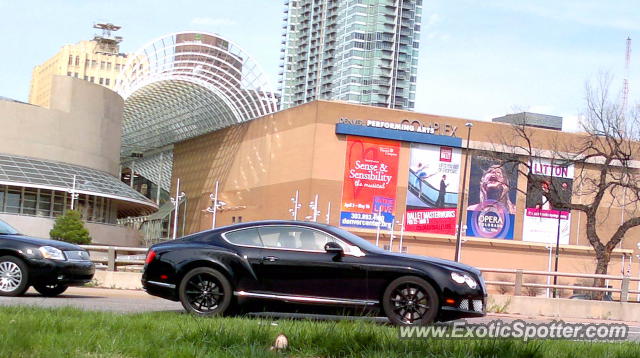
[{"x": 270, "y": 258}]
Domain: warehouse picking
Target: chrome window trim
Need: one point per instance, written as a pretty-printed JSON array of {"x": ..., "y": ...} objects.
[
  {"x": 223, "y": 235},
  {"x": 306, "y": 299}
]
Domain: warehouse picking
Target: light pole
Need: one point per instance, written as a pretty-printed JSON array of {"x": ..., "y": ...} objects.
[
  {"x": 73, "y": 193},
  {"x": 314, "y": 206},
  {"x": 550, "y": 248},
  {"x": 469, "y": 125},
  {"x": 176, "y": 202},
  {"x": 401, "y": 234},
  {"x": 296, "y": 206},
  {"x": 391, "y": 236},
  {"x": 328, "y": 217},
  {"x": 215, "y": 205}
]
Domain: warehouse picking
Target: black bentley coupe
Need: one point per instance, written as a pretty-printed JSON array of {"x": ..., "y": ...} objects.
[
  {"x": 213, "y": 271},
  {"x": 49, "y": 266}
]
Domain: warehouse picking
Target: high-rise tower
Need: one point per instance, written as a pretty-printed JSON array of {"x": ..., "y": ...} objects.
[{"x": 359, "y": 51}]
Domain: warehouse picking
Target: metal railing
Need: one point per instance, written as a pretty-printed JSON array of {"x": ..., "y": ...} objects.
[
  {"x": 111, "y": 260},
  {"x": 519, "y": 283}
]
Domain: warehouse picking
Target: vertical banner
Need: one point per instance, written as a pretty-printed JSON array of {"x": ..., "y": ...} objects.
[
  {"x": 370, "y": 181},
  {"x": 541, "y": 222},
  {"x": 492, "y": 196},
  {"x": 432, "y": 195}
]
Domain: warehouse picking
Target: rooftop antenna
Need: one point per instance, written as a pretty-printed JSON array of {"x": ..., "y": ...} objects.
[
  {"x": 625, "y": 90},
  {"x": 107, "y": 42}
]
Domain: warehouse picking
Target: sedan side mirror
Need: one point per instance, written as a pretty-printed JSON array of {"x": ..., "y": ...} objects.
[{"x": 333, "y": 248}]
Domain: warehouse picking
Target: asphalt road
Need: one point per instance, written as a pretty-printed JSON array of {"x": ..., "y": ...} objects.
[{"x": 130, "y": 301}]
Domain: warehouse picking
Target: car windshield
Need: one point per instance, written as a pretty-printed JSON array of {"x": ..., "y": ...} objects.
[
  {"x": 6, "y": 229},
  {"x": 356, "y": 240}
]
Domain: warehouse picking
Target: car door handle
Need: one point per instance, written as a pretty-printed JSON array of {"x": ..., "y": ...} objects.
[{"x": 270, "y": 258}]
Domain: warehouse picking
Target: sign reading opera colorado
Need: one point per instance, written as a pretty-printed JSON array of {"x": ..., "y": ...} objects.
[
  {"x": 432, "y": 196},
  {"x": 492, "y": 197},
  {"x": 370, "y": 181}
]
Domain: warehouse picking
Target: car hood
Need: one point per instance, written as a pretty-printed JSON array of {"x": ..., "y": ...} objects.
[
  {"x": 440, "y": 262},
  {"x": 65, "y": 246}
]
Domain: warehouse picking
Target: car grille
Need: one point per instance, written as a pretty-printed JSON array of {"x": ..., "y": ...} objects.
[
  {"x": 471, "y": 305},
  {"x": 77, "y": 255}
]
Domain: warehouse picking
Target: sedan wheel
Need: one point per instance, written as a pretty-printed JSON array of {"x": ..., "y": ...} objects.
[
  {"x": 50, "y": 290},
  {"x": 13, "y": 276},
  {"x": 205, "y": 291},
  {"x": 410, "y": 301}
]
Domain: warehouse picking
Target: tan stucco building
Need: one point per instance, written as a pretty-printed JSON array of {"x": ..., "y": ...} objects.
[
  {"x": 261, "y": 164},
  {"x": 71, "y": 147},
  {"x": 98, "y": 62}
]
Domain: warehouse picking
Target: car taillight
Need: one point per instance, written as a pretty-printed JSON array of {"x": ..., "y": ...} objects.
[{"x": 150, "y": 256}]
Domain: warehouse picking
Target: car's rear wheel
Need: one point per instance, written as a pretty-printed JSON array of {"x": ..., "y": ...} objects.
[
  {"x": 14, "y": 276},
  {"x": 410, "y": 300},
  {"x": 50, "y": 290},
  {"x": 205, "y": 292}
]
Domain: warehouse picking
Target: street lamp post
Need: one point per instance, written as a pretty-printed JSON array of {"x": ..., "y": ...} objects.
[
  {"x": 176, "y": 202},
  {"x": 74, "y": 194},
  {"x": 469, "y": 125},
  {"x": 401, "y": 234},
  {"x": 296, "y": 206}
]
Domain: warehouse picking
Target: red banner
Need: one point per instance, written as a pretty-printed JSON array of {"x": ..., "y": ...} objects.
[{"x": 370, "y": 179}]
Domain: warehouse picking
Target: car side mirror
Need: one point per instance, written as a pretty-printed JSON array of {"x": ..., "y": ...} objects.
[{"x": 333, "y": 248}]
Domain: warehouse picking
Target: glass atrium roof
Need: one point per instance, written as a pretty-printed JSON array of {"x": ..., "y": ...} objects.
[
  {"x": 37, "y": 173},
  {"x": 187, "y": 84}
]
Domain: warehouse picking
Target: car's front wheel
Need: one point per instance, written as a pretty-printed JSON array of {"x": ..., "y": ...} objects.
[
  {"x": 14, "y": 276},
  {"x": 410, "y": 300},
  {"x": 50, "y": 290},
  {"x": 205, "y": 292}
]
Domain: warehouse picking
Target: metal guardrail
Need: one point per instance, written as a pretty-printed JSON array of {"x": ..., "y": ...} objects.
[
  {"x": 519, "y": 283},
  {"x": 112, "y": 261}
]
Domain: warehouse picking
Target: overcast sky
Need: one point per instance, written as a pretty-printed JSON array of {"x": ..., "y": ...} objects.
[{"x": 478, "y": 59}]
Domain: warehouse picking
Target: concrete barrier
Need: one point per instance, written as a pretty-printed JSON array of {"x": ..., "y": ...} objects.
[
  {"x": 120, "y": 280},
  {"x": 563, "y": 308}
]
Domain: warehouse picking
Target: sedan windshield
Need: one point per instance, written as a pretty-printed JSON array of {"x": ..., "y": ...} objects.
[{"x": 6, "y": 229}]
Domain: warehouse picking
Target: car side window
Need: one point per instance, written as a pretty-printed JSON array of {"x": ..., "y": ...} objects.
[
  {"x": 294, "y": 238},
  {"x": 244, "y": 237}
]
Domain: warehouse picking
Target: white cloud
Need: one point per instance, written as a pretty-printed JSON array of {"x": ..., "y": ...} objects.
[
  {"x": 433, "y": 20},
  {"x": 208, "y": 21}
]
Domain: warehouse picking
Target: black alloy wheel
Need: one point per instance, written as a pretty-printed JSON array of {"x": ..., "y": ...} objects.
[
  {"x": 50, "y": 290},
  {"x": 205, "y": 292},
  {"x": 410, "y": 300},
  {"x": 14, "y": 276}
]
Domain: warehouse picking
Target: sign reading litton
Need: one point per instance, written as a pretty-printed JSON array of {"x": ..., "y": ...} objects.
[
  {"x": 541, "y": 220},
  {"x": 370, "y": 181}
]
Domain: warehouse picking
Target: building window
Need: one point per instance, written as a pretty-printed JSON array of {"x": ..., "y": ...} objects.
[
  {"x": 94, "y": 63},
  {"x": 106, "y": 81},
  {"x": 93, "y": 79},
  {"x": 77, "y": 60},
  {"x": 86, "y": 78},
  {"x": 69, "y": 74},
  {"x": 70, "y": 60},
  {"x": 14, "y": 197},
  {"x": 101, "y": 80},
  {"x": 102, "y": 65},
  {"x": 108, "y": 65}
]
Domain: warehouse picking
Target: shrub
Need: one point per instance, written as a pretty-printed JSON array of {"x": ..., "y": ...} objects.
[{"x": 70, "y": 228}]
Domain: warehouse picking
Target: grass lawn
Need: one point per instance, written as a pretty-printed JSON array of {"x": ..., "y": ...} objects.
[{"x": 67, "y": 332}]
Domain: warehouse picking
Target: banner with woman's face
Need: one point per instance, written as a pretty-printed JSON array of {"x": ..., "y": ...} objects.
[{"x": 492, "y": 197}]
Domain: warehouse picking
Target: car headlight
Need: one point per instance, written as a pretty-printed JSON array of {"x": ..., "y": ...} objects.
[
  {"x": 49, "y": 252},
  {"x": 464, "y": 278}
]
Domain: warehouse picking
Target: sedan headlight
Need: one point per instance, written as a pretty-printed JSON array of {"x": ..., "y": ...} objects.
[
  {"x": 464, "y": 278},
  {"x": 49, "y": 252}
]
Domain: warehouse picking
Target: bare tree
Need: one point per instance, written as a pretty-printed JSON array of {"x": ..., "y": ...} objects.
[{"x": 606, "y": 160}]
